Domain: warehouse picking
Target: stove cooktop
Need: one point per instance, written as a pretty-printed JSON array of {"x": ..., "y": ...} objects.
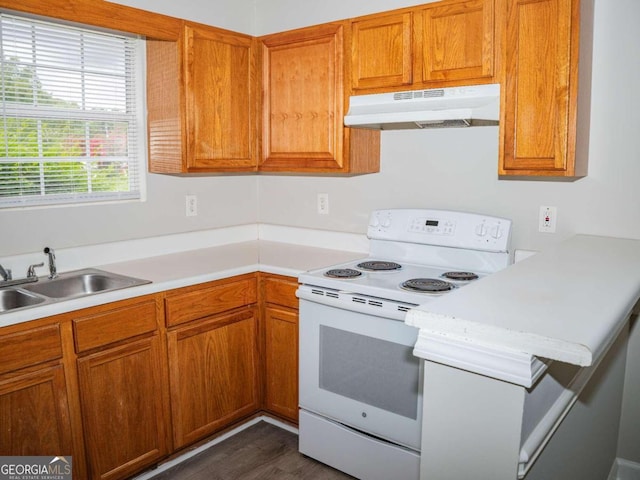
[
  {"x": 416, "y": 255},
  {"x": 406, "y": 282}
]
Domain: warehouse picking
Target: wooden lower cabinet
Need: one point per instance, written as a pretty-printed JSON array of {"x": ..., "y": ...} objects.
[
  {"x": 213, "y": 373},
  {"x": 34, "y": 414},
  {"x": 281, "y": 362},
  {"x": 34, "y": 407},
  {"x": 122, "y": 385},
  {"x": 122, "y": 408},
  {"x": 280, "y": 346}
]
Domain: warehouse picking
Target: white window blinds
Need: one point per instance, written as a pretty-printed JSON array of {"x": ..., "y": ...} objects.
[{"x": 71, "y": 114}]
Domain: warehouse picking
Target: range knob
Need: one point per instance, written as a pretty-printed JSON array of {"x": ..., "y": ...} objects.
[
  {"x": 386, "y": 222},
  {"x": 481, "y": 230},
  {"x": 374, "y": 222},
  {"x": 496, "y": 232}
]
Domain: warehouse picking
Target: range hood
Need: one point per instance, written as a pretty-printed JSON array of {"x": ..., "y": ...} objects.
[{"x": 469, "y": 106}]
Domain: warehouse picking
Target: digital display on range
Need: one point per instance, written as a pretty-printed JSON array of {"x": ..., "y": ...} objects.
[{"x": 431, "y": 223}]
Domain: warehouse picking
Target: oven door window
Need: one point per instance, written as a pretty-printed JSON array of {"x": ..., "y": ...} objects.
[{"x": 376, "y": 372}]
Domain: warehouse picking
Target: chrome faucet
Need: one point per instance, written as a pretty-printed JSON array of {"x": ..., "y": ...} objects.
[
  {"x": 10, "y": 282},
  {"x": 53, "y": 271},
  {"x": 5, "y": 274}
]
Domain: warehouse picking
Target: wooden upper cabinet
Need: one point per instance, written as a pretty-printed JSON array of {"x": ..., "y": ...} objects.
[
  {"x": 455, "y": 41},
  {"x": 381, "y": 51},
  {"x": 439, "y": 44},
  {"x": 303, "y": 105},
  {"x": 202, "y": 102},
  {"x": 540, "y": 89}
]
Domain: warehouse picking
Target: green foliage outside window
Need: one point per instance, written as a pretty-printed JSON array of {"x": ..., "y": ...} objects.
[{"x": 99, "y": 143}]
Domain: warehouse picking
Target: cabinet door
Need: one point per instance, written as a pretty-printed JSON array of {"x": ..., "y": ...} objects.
[
  {"x": 34, "y": 414},
  {"x": 213, "y": 374},
  {"x": 202, "y": 103},
  {"x": 281, "y": 362},
  {"x": 303, "y": 100},
  {"x": 540, "y": 94},
  {"x": 456, "y": 40},
  {"x": 122, "y": 408},
  {"x": 220, "y": 101},
  {"x": 381, "y": 51}
]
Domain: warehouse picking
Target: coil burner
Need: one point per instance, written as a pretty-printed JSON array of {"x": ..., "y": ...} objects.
[
  {"x": 460, "y": 276},
  {"x": 342, "y": 273},
  {"x": 427, "y": 285},
  {"x": 379, "y": 266}
]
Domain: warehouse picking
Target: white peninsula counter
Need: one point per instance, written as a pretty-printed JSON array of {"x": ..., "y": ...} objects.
[{"x": 515, "y": 350}]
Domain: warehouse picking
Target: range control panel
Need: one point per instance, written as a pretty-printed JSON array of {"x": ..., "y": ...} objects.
[
  {"x": 441, "y": 227},
  {"x": 432, "y": 227}
]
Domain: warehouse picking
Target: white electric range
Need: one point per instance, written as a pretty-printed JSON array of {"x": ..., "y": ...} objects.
[{"x": 360, "y": 386}]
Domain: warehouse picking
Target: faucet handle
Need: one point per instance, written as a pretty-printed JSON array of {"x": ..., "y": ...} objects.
[{"x": 31, "y": 272}]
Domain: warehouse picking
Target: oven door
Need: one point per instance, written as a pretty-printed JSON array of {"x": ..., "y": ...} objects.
[{"x": 359, "y": 369}]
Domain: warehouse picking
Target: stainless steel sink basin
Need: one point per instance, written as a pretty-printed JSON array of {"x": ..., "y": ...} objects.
[
  {"x": 66, "y": 286},
  {"x": 81, "y": 283},
  {"x": 13, "y": 298}
]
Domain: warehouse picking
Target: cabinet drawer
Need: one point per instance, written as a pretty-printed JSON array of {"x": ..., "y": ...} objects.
[
  {"x": 30, "y": 347},
  {"x": 209, "y": 299},
  {"x": 281, "y": 292},
  {"x": 114, "y": 325}
]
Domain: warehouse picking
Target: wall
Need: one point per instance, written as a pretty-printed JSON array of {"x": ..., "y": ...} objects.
[
  {"x": 30, "y": 230},
  {"x": 238, "y": 16},
  {"x": 271, "y": 17}
]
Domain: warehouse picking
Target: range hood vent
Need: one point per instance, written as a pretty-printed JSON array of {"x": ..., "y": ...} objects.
[{"x": 477, "y": 105}]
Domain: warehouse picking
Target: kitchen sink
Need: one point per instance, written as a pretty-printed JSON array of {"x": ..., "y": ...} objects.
[
  {"x": 76, "y": 284},
  {"x": 13, "y": 298},
  {"x": 81, "y": 283}
]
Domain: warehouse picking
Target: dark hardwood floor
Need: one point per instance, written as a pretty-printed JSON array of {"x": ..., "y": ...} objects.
[{"x": 262, "y": 451}]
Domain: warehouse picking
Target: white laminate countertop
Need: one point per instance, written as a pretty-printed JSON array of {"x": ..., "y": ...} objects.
[
  {"x": 567, "y": 303},
  {"x": 191, "y": 267}
]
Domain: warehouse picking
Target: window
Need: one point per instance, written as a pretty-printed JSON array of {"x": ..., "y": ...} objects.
[{"x": 72, "y": 126}]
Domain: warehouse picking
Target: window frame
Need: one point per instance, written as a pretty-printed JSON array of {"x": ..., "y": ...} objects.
[{"x": 139, "y": 123}]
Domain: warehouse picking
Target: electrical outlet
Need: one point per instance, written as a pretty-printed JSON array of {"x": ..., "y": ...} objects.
[
  {"x": 323, "y": 204},
  {"x": 191, "y": 205},
  {"x": 548, "y": 219}
]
